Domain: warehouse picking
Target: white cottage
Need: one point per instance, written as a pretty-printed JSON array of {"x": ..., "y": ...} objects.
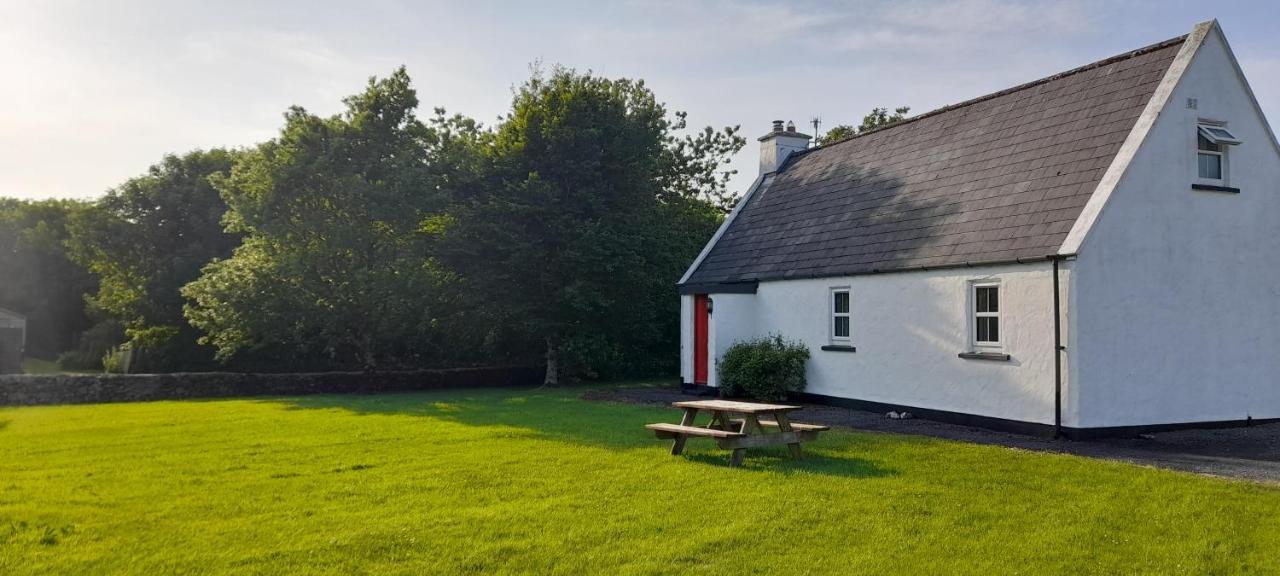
[{"x": 1096, "y": 252}]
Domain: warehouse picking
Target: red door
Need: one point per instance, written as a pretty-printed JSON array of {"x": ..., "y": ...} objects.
[{"x": 700, "y": 339}]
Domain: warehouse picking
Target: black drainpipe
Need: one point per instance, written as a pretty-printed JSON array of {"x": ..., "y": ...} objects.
[{"x": 1057, "y": 353}]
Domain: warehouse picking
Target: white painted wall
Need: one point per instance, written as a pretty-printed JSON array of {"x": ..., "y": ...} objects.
[
  {"x": 733, "y": 318},
  {"x": 1176, "y": 291},
  {"x": 908, "y": 329},
  {"x": 686, "y": 338}
]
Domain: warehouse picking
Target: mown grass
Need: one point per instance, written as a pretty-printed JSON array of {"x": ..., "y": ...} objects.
[
  {"x": 38, "y": 366},
  {"x": 545, "y": 483}
]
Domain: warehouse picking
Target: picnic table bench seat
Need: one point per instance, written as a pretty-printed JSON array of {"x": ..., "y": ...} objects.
[
  {"x": 665, "y": 430},
  {"x": 797, "y": 426}
]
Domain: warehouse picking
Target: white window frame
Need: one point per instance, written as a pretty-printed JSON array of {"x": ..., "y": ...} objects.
[
  {"x": 1222, "y": 164},
  {"x": 832, "y": 315},
  {"x": 974, "y": 314},
  {"x": 1206, "y": 129},
  {"x": 1217, "y": 132}
]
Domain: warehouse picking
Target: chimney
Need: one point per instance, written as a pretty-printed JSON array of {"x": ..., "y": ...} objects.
[{"x": 779, "y": 143}]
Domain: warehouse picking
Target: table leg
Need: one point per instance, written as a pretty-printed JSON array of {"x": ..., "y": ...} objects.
[
  {"x": 725, "y": 421},
  {"x": 677, "y": 446},
  {"x": 784, "y": 425},
  {"x": 750, "y": 426}
]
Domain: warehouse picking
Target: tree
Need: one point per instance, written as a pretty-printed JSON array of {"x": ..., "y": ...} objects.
[
  {"x": 37, "y": 278},
  {"x": 878, "y": 117},
  {"x": 331, "y": 266},
  {"x": 144, "y": 241},
  {"x": 696, "y": 166},
  {"x": 837, "y": 133},
  {"x": 590, "y": 209}
]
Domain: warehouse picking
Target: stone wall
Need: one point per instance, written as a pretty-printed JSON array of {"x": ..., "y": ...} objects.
[{"x": 31, "y": 390}]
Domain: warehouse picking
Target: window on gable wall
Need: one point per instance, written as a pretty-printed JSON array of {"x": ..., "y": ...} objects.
[
  {"x": 1212, "y": 140},
  {"x": 986, "y": 315},
  {"x": 840, "y": 315}
]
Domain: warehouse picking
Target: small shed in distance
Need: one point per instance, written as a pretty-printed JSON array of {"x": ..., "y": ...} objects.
[{"x": 13, "y": 339}]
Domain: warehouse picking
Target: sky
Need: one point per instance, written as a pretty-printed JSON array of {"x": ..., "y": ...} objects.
[{"x": 94, "y": 92}]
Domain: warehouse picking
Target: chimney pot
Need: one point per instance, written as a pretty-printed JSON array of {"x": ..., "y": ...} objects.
[
  {"x": 777, "y": 125},
  {"x": 791, "y": 126}
]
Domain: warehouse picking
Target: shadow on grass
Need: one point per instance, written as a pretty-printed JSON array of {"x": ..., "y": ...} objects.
[
  {"x": 559, "y": 414},
  {"x": 775, "y": 460}
]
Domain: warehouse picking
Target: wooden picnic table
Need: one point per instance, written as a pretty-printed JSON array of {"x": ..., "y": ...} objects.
[{"x": 747, "y": 430}]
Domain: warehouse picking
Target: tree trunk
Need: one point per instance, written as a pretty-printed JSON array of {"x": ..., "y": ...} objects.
[
  {"x": 368, "y": 358},
  {"x": 553, "y": 363}
]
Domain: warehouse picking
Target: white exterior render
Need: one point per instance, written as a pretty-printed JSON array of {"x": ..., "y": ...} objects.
[
  {"x": 908, "y": 330},
  {"x": 1177, "y": 291},
  {"x": 1169, "y": 296}
]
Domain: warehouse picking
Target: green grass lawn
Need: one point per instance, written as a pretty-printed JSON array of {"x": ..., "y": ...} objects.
[
  {"x": 38, "y": 366},
  {"x": 541, "y": 482}
]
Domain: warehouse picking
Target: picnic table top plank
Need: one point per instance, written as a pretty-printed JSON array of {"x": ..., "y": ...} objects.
[{"x": 736, "y": 407}]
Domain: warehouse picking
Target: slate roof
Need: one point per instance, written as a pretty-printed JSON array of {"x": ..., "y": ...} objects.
[{"x": 1000, "y": 178}]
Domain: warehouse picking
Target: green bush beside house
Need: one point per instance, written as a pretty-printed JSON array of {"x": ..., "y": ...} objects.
[{"x": 768, "y": 368}]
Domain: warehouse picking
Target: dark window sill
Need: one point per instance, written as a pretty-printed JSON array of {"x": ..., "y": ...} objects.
[
  {"x": 833, "y": 348},
  {"x": 1212, "y": 188},
  {"x": 996, "y": 356}
]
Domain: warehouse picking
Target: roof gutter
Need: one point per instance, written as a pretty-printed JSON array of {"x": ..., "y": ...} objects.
[
  {"x": 720, "y": 288},
  {"x": 738, "y": 285},
  {"x": 873, "y": 271}
]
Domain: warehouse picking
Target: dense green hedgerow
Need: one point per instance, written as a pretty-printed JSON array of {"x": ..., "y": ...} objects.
[{"x": 766, "y": 368}]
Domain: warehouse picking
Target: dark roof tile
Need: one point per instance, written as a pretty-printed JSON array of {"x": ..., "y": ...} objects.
[{"x": 998, "y": 178}]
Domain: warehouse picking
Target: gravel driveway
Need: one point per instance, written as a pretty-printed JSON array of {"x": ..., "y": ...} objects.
[{"x": 1251, "y": 453}]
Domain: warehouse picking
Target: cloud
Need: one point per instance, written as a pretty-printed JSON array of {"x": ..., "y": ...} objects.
[
  {"x": 94, "y": 92},
  {"x": 1264, "y": 79},
  {"x": 917, "y": 28},
  {"x": 104, "y": 95},
  {"x": 975, "y": 18},
  {"x": 292, "y": 48}
]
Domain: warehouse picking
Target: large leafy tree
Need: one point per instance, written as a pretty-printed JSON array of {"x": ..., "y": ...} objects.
[
  {"x": 590, "y": 208},
  {"x": 37, "y": 278},
  {"x": 331, "y": 266},
  {"x": 145, "y": 240},
  {"x": 877, "y": 118}
]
